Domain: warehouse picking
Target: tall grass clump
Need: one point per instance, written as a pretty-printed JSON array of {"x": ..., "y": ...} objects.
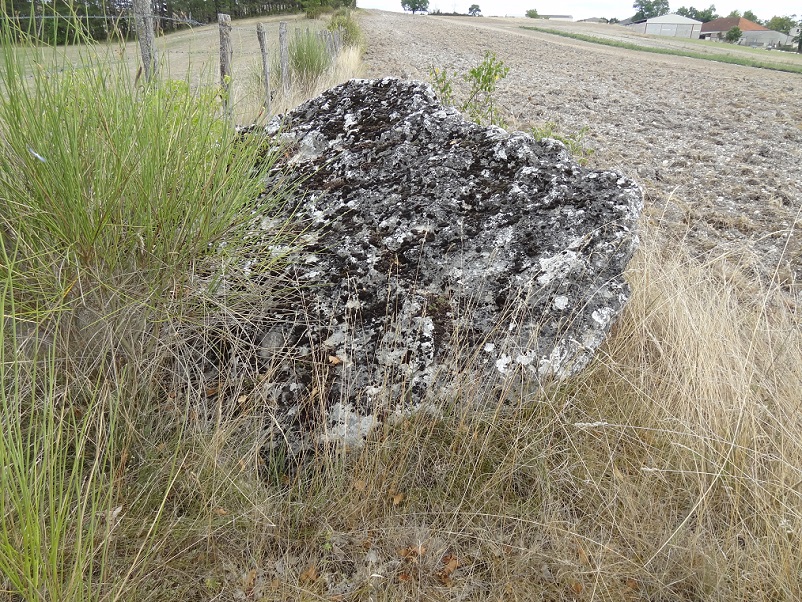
[
  {"x": 58, "y": 451},
  {"x": 312, "y": 69},
  {"x": 309, "y": 59},
  {"x": 114, "y": 197}
]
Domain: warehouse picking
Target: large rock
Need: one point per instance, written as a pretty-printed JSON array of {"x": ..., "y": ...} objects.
[{"x": 429, "y": 243}]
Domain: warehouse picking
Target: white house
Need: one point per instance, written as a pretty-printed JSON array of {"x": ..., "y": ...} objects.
[{"x": 669, "y": 25}]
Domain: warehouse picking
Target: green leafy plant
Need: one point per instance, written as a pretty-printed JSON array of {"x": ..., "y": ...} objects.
[
  {"x": 532, "y": 14},
  {"x": 480, "y": 105},
  {"x": 344, "y": 22}
]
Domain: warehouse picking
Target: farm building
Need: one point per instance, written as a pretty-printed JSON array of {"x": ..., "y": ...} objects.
[
  {"x": 765, "y": 39},
  {"x": 669, "y": 25},
  {"x": 753, "y": 34},
  {"x": 718, "y": 28}
]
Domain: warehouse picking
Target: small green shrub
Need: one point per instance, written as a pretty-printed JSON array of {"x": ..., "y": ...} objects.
[
  {"x": 480, "y": 105},
  {"x": 344, "y": 21}
]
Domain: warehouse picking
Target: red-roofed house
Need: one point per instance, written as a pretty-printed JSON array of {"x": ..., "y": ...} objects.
[{"x": 753, "y": 34}]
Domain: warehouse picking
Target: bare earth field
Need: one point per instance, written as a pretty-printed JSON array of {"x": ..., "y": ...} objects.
[{"x": 717, "y": 148}]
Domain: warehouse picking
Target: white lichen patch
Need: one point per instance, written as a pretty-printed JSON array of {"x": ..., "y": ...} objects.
[
  {"x": 557, "y": 266},
  {"x": 560, "y": 302},
  {"x": 346, "y": 426}
]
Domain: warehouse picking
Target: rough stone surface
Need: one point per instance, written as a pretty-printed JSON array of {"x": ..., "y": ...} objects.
[{"x": 428, "y": 241}]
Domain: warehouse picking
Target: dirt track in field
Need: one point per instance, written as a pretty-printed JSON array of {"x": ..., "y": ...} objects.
[{"x": 717, "y": 148}]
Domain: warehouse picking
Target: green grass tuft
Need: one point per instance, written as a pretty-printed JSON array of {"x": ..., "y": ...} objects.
[{"x": 309, "y": 59}]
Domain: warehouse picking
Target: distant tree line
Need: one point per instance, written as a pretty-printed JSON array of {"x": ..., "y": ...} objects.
[{"x": 55, "y": 21}]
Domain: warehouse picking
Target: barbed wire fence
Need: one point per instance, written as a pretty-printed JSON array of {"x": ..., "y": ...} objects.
[
  {"x": 146, "y": 25},
  {"x": 332, "y": 40}
]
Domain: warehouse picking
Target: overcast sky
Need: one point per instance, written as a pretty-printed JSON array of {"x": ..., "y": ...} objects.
[{"x": 583, "y": 9}]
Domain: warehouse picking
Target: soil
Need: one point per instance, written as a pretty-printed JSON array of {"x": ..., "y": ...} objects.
[{"x": 717, "y": 148}]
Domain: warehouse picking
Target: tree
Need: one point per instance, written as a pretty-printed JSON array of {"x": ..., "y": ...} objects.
[
  {"x": 474, "y": 10},
  {"x": 704, "y": 16},
  {"x": 736, "y": 14},
  {"x": 532, "y": 14},
  {"x": 733, "y": 35},
  {"x": 782, "y": 24},
  {"x": 750, "y": 16},
  {"x": 416, "y": 6},
  {"x": 650, "y": 8}
]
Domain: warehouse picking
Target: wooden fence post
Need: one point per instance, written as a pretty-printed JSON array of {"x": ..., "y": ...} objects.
[
  {"x": 284, "y": 56},
  {"x": 260, "y": 33},
  {"x": 226, "y": 54},
  {"x": 143, "y": 22}
]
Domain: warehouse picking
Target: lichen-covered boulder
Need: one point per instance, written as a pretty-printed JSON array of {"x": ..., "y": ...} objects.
[{"x": 428, "y": 242}]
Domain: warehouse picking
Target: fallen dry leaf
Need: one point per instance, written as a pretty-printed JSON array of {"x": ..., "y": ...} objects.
[
  {"x": 632, "y": 584},
  {"x": 334, "y": 360},
  {"x": 404, "y": 577},
  {"x": 309, "y": 575},
  {"x": 576, "y": 587},
  {"x": 398, "y": 498},
  {"x": 412, "y": 553},
  {"x": 220, "y": 511},
  {"x": 444, "y": 575},
  {"x": 360, "y": 485},
  {"x": 451, "y": 563},
  {"x": 583, "y": 556}
]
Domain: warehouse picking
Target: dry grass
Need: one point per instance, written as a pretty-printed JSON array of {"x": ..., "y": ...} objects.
[
  {"x": 249, "y": 92},
  {"x": 669, "y": 470}
]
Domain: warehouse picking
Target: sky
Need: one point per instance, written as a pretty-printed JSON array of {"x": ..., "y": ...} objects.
[{"x": 583, "y": 9}]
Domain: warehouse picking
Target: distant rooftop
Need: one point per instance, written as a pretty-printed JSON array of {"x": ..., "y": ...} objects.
[{"x": 727, "y": 23}]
